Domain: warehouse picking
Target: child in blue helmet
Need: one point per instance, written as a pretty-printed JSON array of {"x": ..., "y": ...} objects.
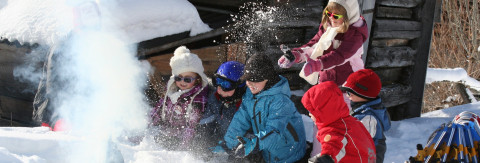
[{"x": 224, "y": 100}]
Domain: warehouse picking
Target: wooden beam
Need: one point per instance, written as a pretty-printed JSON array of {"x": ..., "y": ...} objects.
[
  {"x": 389, "y": 42},
  {"x": 214, "y": 10},
  {"x": 390, "y": 57},
  {"x": 228, "y": 3},
  {"x": 148, "y": 51},
  {"x": 396, "y": 25},
  {"x": 421, "y": 59},
  {"x": 394, "y": 12},
  {"x": 400, "y": 3},
  {"x": 390, "y": 76},
  {"x": 395, "y": 94},
  {"x": 396, "y": 34}
]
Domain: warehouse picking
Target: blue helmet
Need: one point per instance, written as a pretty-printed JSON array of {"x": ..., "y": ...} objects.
[{"x": 232, "y": 70}]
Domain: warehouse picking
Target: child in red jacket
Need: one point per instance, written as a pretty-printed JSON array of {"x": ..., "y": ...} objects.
[{"x": 343, "y": 138}]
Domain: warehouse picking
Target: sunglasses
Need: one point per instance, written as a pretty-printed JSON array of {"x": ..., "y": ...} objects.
[
  {"x": 185, "y": 79},
  {"x": 225, "y": 83},
  {"x": 332, "y": 15}
]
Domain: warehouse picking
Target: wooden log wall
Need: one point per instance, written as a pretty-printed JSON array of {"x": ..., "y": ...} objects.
[
  {"x": 16, "y": 97},
  {"x": 398, "y": 47},
  {"x": 399, "y": 51}
]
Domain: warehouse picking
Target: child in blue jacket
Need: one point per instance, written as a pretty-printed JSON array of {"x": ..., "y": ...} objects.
[
  {"x": 267, "y": 110},
  {"x": 224, "y": 100},
  {"x": 363, "y": 87}
]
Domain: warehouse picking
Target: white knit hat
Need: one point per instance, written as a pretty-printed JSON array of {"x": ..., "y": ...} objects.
[
  {"x": 184, "y": 61},
  {"x": 353, "y": 10}
]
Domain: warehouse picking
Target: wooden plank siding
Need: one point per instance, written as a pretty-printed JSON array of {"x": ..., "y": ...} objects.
[
  {"x": 15, "y": 96},
  {"x": 399, "y": 52},
  {"x": 396, "y": 44}
]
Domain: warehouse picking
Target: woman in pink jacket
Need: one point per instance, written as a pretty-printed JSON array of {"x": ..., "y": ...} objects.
[
  {"x": 336, "y": 50},
  {"x": 343, "y": 137}
]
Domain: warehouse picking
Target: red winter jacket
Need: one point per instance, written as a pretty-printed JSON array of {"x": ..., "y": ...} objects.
[
  {"x": 342, "y": 136},
  {"x": 335, "y": 65}
]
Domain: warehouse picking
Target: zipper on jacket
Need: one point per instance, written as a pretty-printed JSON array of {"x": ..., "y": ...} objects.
[
  {"x": 292, "y": 131},
  {"x": 254, "y": 115}
]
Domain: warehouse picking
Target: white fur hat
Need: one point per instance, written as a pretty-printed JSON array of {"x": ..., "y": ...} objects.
[
  {"x": 184, "y": 61},
  {"x": 353, "y": 10}
]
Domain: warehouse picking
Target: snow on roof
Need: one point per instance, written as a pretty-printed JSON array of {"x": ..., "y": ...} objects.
[{"x": 46, "y": 21}]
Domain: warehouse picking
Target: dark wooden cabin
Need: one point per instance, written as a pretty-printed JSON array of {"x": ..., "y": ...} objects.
[{"x": 397, "y": 50}]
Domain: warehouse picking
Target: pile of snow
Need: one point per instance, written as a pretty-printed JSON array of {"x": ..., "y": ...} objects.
[
  {"x": 38, "y": 144},
  {"x": 46, "y": 21},
  {"x": 452, "y": 75}
]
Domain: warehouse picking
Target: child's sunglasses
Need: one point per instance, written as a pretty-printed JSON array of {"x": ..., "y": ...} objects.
[
  {"x": 225, "y": 83},
  {"x": 185, "y": 79},
  {"x": 332, "y": 15}
]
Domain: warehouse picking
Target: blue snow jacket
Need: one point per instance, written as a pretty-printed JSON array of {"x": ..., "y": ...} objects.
[
  {"x": 376, "y": 109},
  {"x": 274, "y": 120}
]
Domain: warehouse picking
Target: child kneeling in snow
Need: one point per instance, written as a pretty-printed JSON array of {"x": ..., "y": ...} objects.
[
  {"x": 268, "y": 112},
  {"x": 223, "y": 101},
  {"x": 343, "y": 138},
  {"x": 179, "y": 111}
]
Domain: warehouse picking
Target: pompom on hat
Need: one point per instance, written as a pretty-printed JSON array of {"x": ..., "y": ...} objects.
[
  {"x": 185, "y": 61},
  {"x": 352, "y": 8},
  {"x": 364, "y": 83}
]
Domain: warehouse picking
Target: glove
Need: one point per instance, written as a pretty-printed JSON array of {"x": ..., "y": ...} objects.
[
  {"x": 221, "y": 148},
  {"x": 246, "y": 147},
  {"x": 321, "y": 159},
  {"x": 285, "y": 62},
  {"x": 312, "y": 66},
  {"x": 298, "y": 52},
  {"x": 289, "y": 56}
]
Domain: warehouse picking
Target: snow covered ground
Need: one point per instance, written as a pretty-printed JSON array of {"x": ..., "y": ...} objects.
[{"x": 39, "y": 145}]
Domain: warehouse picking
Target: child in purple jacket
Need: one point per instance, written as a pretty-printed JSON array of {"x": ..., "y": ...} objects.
[{"x": 178, "y": 113}]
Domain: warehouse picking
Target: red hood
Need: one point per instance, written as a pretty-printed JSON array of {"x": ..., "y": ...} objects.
[{"x": 325, "y": 102}]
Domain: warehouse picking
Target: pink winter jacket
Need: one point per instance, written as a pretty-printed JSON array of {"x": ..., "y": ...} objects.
[
  {"x": 336, "y": 62},
  {"x": 176, "y": 121}
]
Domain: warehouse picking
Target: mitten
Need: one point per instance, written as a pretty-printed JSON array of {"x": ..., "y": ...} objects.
[
  {"x": 221, "y": 148},
  {"x": 285, "y": 62},
  {"x": 299, "y": 54},
  {"x": 321, "y": 159},
  {"x": 287, "y": 59},
  {"x": 246, "y": 147},
  {"x": 312, "y": 66}
]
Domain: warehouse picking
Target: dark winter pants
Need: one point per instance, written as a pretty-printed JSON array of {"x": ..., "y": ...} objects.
[{"x": 381, "y": 148}]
